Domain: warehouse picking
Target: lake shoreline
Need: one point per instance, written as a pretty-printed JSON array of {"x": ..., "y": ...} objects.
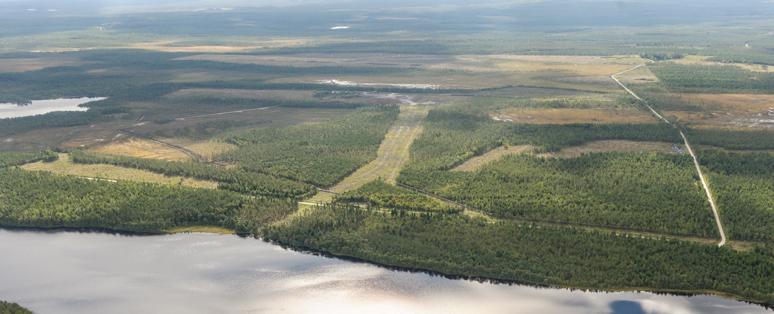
[
  {"x": 45, "y": 106},
  {"x": 400, "y": 268},
  {"x": 509, "y": 282}
]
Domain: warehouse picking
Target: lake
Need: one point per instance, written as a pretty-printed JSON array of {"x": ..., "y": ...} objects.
[
  {"x": 71, "y": 272},
  {"x": 38, "y": 107}
]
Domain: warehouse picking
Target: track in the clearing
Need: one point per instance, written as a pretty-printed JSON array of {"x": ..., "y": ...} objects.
[
  {"x": 393, "y": 153},
  {"x": 702, "y": 178}
]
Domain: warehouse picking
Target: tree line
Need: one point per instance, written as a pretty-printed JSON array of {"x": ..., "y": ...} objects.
[
  {"x": 743, "y": 184},
  {"x": 44, "y": 200},
  {"x": 234, "y": 179},
  {"x": 461, "y": 246},
  {"x": 712, "y": 78},
  {"x": 9, "y": 159}
]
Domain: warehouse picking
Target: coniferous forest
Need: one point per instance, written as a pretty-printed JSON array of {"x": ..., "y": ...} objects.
[{"x": 558, "y": 144}]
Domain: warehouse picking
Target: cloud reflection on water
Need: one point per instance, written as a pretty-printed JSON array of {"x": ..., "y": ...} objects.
[{"x": 197, "y": 273}]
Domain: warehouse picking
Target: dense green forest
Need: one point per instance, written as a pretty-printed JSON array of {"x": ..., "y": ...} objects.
[
  {"x": 645, "y": 191},
  {"x": 138, "y": 75},
  {"x": 233, "y": 179},
  {"x": 744, "y": 187},
  {"x": 39, "y": 199},
  {"x": 732, "y": 139},
  {"x": 156, "y": 68},
  {"x": 321, "y": 153},
  {"x": 378, "y": 194},
  {"x": 457, "y": 245},
  {"x": 13, "y": 126},
  {"x": 451, "y": 136},
  {"x": 159, "y": 70},
  {"x": 633, "y": 191},
  {"x": 759, "y": 164},
  {"x": 202, "y": 130},
  {"x": 8, "y": 159},
  {"x": 712, "y": 78},
  {"x": 746, "y": 205},
  {"x": 542, "y": 216},
  {"x": 12, "y": 308}
]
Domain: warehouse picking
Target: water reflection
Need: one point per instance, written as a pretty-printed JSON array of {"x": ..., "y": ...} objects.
[
  {"x": 626, "y": 307},
  {"x": 38, "y": 107},
  {"x": 198, "y": 273}
]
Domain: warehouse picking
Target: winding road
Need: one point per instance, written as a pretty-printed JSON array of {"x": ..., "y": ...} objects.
[{"x": 702, "y": 178}]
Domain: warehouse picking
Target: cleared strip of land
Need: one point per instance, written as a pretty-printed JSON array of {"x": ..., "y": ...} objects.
[
  {"x": 477, "y": 162},
  {"x": 112, "y": 173},
  {"x": 624, "y": 146},
  {"x": 392, "y": 155}
]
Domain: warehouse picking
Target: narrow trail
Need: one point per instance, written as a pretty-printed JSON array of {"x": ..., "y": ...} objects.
[
  {"x": 702, "y": 178},
  {"x": 222, "y": 113}
]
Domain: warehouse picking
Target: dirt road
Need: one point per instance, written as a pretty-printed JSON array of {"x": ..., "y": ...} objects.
[{"x": 702, "y": 178}]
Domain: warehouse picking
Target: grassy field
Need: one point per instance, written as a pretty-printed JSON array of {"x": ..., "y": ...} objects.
[
  {"x": 572, "y": 116},
  {"x": 642, "y": 75},
  {"x": 708, "y": 60},
  {"x": 32, "y": 64},
  {"x": 758, "y": 103},
  {"x": 720, "y": 110},
  {"x": 570, "y": 65},
  {"x": 621, "y": 146},
  {"x": 142, "y": 148},
  {"x": 477, "y": 162},
  {"x": 182, "y": 46},
  {"x": 64, "y": 166}
]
